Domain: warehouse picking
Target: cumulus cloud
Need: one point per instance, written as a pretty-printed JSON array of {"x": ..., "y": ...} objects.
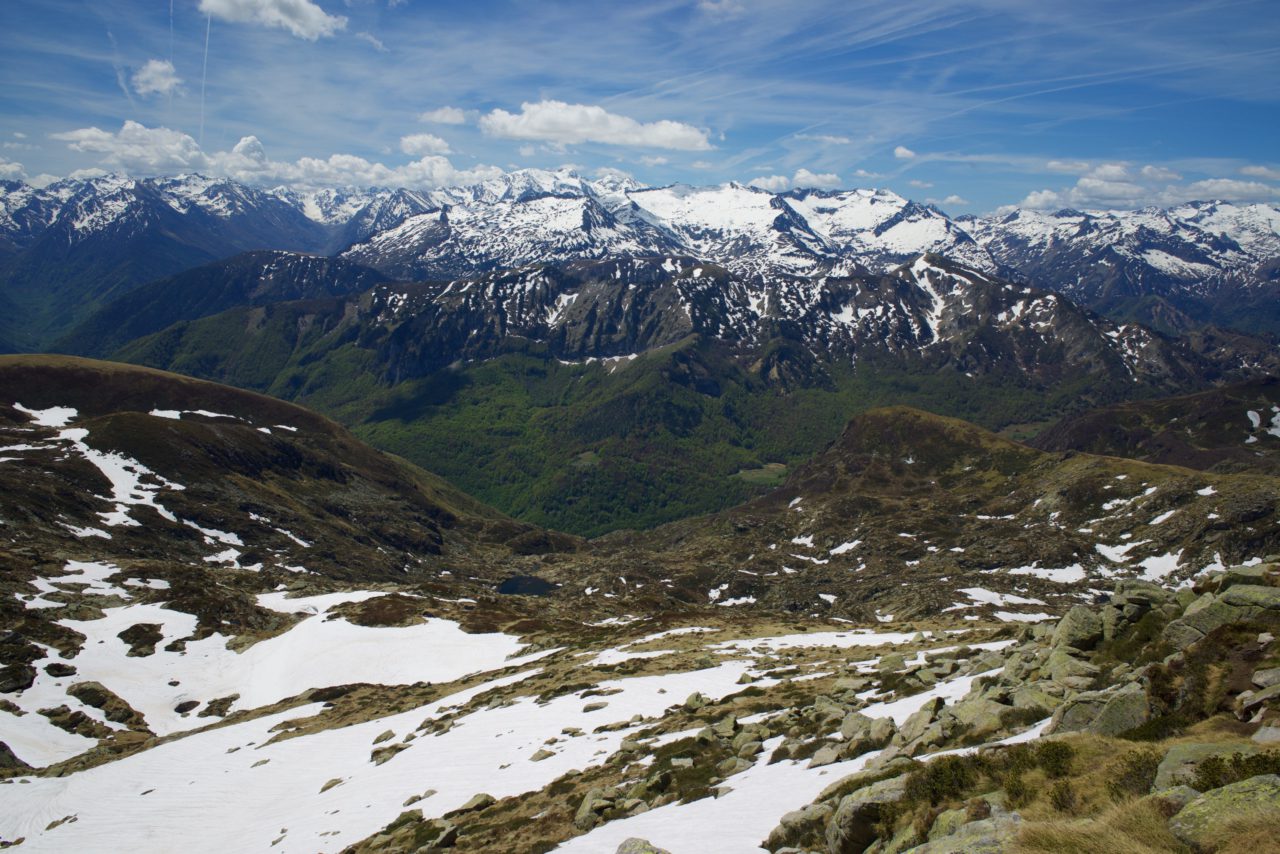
[
  {"x": 423, "y": 143},
  {"x": 157, "y": 77},
  {"x": 570, "y": 124},
  {"x": 139, "y": 150},
  {"x": 903, "y": 153},
  {"x": 1042, "y": 200},
  {"x": 954, "y": 199},
  {"x": 1264, "y": 172},
  {"x": 11, "y": 170},
  {"x": 1122, "y": 185},
  {"x": 444, "y": 116},
  {"x": 817, "y": 180},
  {"x": 303, "y": 18},
  {"x": 772, "y": 183}
]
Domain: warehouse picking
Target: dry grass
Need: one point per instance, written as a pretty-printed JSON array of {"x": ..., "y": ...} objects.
[
  {"x": 1136, "y": 827},
  {"x": 1252, "y": 834}
]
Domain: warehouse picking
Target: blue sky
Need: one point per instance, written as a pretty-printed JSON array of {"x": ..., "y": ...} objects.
[{"x": 972, "y": 105}]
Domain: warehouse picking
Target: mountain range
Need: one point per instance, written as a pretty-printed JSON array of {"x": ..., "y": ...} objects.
[{"x": 73, "y": 245}]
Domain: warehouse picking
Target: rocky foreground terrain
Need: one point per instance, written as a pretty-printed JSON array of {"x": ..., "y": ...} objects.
[{"x": 229, "y": 625}]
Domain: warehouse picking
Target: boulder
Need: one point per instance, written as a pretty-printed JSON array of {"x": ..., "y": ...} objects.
[
  {"x": 1180, "y": 763},
  {"x": 1080, "y": 628},
  {"x": 851, "y": 829},
  {"x": 1258, "y": 574},
  {"x": 798, "y": 826},
  {"x": 640, "y": 846},
  {"x": 947, "y": 823},
  {"x": 595, "y": 802},
  {"x": 1266, "y": 678},
  {"x": 1103, "y": 712},
  {"x": 979, "y": 716},
  {"x": 989, "y": 836},
  {"x": 1252, "y": 596},
  {"x": 1199, "y": 822}
]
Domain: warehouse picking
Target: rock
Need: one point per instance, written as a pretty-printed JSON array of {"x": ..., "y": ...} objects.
[
  {"x": 385, "y": 754},
  {"x": 854, "y": 726},
  {"x": 1080, "y": 628},
  {"x": 384, "y": 736},
  {"x": 1103, "y": 712},
  {"x": 541, "y": 754},
  {"x": 10, "y": 762},
  {"x": 1248, "y": 703},
  {"x": 100, "y": 697},
  {"x": 59, "y": 669},
  {"x": 1258, "y": 574},
  {"x": 16, "y": 677},
  {"x": 695, "y": 701},
  {"x": 798, "y": 826},
  {"x": 894, "y": 661},
  {"x": 336, "y": 781},
  {"x": 1197, "y": 823},
  {"x": 979, "y": 715},
  {"x": 594, "y": 707},
  {"x": 1065, "y": 668},
  {"x": 1252, "y": 596},
  {"x": 1267, "y": 735},
  {"x": 851, "y": 829},
  {"x": 726, "y": 727},
  {"x": 682, "y": 762},
  {"x": 595, "y": 802},
  {"x": 947, "y": 823},
  {"x": 640, "y": 846},
  {"x": 1266, "y": 678},
  {"x": 827, "y": 754},
  {"x": 477, "y": 803},
  {"x": 1173, "y": 799},
  {"x": 1181, "y": 761},
  {"x": 988, "y": 836},
  {"x": 882, "y": 731}
]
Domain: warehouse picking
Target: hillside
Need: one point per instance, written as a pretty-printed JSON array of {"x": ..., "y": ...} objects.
[
  {"x": 596, "y": 395},
  {"x": 1229, "y": 429}
]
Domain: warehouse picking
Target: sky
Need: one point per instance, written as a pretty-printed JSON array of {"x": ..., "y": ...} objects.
[{"x": 972, "y": 106}]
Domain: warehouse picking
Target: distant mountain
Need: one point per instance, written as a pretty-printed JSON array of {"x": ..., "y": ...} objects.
[
  {"x": 1235, "y": 428},
  {"x": 1170, "y": 268},
  {"x": 252, "y": 278},
  {"x": 81, "y": 244},
  {"x": 555, "y": 392}
]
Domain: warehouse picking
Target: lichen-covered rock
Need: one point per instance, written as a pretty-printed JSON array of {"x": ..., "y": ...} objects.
[
  {"x": 640, "y": 846},
  {"x": 1173, "y": 799},
  {"x": 1103, "y": 712},
  {"x": 851, "y": 828},
  {"x": 988, "y": 836},
  {"x": 1252, "y": 596},
  {"x": 1198, "y": 822},
  {"x": 1181, "y": 761},
  {"x": 1266, "y": 678},
  {"x": 797, "y": 827},
  {"x": 1080, "y": 628}
]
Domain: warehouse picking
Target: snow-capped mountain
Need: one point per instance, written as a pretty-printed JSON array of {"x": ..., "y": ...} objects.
[{"x": 1202, "y": 258}]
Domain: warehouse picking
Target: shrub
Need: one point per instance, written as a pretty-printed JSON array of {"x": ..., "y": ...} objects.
[
  {"x": 1055, "y": 757},
  {"x": 1216, "y": 772},
  {"x": 1016, "y": 790},
  {"x": 1132, "y": 774},
  {"x": 944, "y": 778},
  {"x": 1063, "y": 797}
]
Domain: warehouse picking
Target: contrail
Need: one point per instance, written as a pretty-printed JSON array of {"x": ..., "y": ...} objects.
[{"x": 204, "y": 73}]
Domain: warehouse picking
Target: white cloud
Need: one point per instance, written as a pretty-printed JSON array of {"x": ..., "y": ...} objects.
[
  {"x": 1265, "y": 172},
  {"x": 654, "y": 160},
  {"x": 923, "y": 185},
  {"x": 11, "y": 170},
  {"x": 1110, "y": 172},
  {"x": 828, "y": 139},
  {"x": 1159, "y": 173},
  {"x": 863, "y": 173},
  {"x": 157, "y": 77},
  {"x": 818, "y": 180},
  {"x": 772, "y": 183},
  {"x": 702, "y": 164},
  {"x": 903, "y": 153},
  {"x": 140, "y": 150},
  {"x": 953, "y": 199},
  {"x": 373, "y": 41},
  {"x": 1042, "y": 200},
  {"x": 302, "y": 18},
  {"x": 527, "y": 150},
  {"x": 1225, "y": 189},
  {"x": 1072, "y": 167},
  {"x": 570, "y": 124},
  {"x": 17, "y": 134},
  {"x": 726, "y": 8},
  {"x": 444, "y": 116},
  {"x": 423, "y": 143}
]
